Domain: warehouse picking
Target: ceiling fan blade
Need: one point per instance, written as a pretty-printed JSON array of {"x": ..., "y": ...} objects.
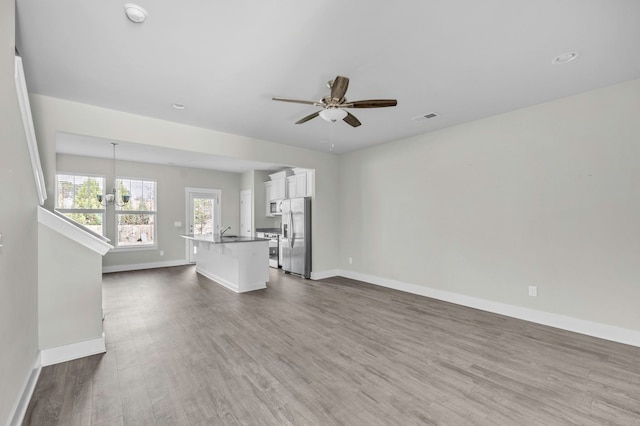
[
  {"x": 351, "y": 120},
  {"x": 371, "y": 103},
  {"x": 297, "y": 101},
  {"x": 339, "y": 88},
  {"x": 308, "y": 117}
]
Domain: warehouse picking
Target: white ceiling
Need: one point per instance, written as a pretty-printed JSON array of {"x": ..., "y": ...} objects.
[{"x": 463, "y": 59}]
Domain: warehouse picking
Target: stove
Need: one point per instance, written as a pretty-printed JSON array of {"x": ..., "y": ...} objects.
[{"x": 274, "y": 248}]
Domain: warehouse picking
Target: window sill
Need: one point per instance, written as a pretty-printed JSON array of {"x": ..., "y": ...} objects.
[{"x": 134, "y": 248}]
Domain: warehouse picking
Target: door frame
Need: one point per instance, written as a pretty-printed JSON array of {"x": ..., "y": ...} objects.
[
  {"x": 249, "y": 193},
  {"x": 189, "y": 193}
]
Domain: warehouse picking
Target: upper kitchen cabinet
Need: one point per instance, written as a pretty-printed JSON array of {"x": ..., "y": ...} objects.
[
  {"x": 279, "y": 185},
  {"x": 267, "y": 197},
  {"x": 294, "y": 183},
  {"x": 300, "y": 184}
]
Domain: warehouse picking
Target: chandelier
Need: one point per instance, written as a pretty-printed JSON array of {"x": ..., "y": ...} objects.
[{"x": 109, "y": 198}]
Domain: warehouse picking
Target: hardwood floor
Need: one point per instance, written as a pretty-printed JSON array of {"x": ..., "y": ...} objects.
[{"x": 185, "y": 351}]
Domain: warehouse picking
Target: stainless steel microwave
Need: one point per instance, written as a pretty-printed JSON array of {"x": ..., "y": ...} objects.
[{"x": 275, "y": 207}]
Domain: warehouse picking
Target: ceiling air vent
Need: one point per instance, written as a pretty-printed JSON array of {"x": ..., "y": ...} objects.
[{"x": 427, "y": 116}]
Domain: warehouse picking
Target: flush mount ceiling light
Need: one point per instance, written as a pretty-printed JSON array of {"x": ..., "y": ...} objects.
[
  {"x": 179, "y": 106},
  {"x": 565, "y": 57},
  {"x": 333, "y": 114},
  {"x": 135, "y": 13}
]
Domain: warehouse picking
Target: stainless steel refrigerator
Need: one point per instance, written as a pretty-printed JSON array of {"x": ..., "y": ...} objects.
[{"x": 296, "y": 236}]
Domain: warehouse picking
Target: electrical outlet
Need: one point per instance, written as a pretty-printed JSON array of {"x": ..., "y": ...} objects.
[
  {"x": 161, "y": 252},
  {"x": 177, "y": 224},
  {"x": 533, "y": 290},
  {"x": 350, "y": 260}
]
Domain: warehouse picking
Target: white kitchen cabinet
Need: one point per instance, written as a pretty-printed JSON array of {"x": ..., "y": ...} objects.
[
  {"x": 267, "y": 198},
  {"x": 279, "y": 185},
  {"x": 294, "y": 183},
  {"x": 301, "y": 183},
  {"x": 297, "y": 185},
  {"x": 291, "y": 187},
  {"x": 278, "y": 189}
]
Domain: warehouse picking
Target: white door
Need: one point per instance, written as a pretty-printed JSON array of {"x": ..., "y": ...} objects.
[
  {"x": 203, "y": 215},
  {"x": 246, "y": 213}
]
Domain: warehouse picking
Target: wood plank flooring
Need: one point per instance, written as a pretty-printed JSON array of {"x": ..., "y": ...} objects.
[{"x": 183, "y": 350}]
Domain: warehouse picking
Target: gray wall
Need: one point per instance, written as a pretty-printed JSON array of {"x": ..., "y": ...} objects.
[
  {"x": 171, "y": 181},
  {"x": 19, "y": 228},
  {"x": 545, "y": 196},
  {"x": 246, "y": 180},
  {"x": 69, "y": 290}
]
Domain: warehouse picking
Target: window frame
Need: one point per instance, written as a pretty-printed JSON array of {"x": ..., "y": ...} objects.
[
  {"x": 118, "y": 212},
  {"x": 65, "y": 211}
]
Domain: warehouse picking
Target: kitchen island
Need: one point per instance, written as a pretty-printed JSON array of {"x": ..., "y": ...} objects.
[{"x": 239, "y": 263}]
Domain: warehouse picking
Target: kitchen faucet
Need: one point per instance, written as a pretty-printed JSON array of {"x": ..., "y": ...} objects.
[{"x": 224, "y": 230}]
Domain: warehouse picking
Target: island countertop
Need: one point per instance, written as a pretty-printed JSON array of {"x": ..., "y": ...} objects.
[{"x": 216, "y": 239}]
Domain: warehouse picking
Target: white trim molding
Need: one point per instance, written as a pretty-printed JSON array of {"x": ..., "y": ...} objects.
[
  {"x": 20, "y": 407},
  {"x": 325, "y": 274},
  {"x": 29, "y": 131},
  {"x": 139, "y": 266},
  {"x": 589, "y": 328},
  {"x": 73, "y": 351},
  {"x": 73, "y": 232}
]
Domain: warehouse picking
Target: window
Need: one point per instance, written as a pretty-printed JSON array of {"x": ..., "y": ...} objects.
[
  {"x": 77, "y": 198},
  {"x": 136, "y": 220}
]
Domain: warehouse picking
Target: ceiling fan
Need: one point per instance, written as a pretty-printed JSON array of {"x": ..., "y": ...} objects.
[{"x": 334, "y": 103}]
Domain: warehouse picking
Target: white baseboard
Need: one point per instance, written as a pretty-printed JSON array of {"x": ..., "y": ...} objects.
[
  {"x": 231, "y": 286},
  {"x": 325, "y": 274},
  {"x": 138, "y": 266},
  {"x": 21, "y": 405},
  {"x": 589, "y": 328},
  {"x": 73, "y": 351}
]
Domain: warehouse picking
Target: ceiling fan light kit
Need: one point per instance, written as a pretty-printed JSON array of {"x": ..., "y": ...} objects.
[
  {"x": 335, "y": 103},
  {"x": 333, "y": 114}
]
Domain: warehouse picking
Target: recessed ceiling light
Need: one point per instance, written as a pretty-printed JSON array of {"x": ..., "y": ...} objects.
[
  {"x": 135, "y": 13},
  {"x": 179, "y": 106},
  {"x": 565, "y": 57}
]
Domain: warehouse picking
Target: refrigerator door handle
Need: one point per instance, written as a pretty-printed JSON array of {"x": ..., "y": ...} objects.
[{"x": 292, "y": 230}]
